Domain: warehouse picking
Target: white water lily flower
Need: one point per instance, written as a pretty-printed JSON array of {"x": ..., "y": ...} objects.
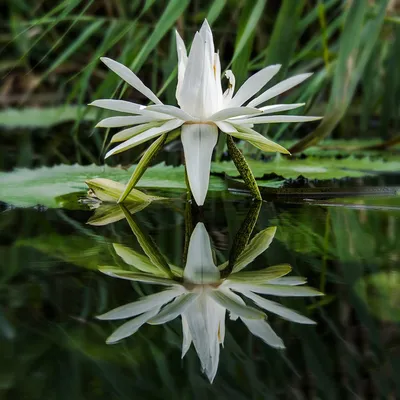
[
  {"x": 201, "y": 296},
  {"x": 203, "y": 109}
]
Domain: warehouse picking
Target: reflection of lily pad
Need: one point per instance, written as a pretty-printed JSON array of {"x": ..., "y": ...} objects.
[
  {"x": 381, "y": 294},
  {"x": 81, "y": 251}
]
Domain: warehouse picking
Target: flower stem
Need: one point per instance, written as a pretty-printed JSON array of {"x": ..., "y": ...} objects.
[{"x": 243, "y": 168}]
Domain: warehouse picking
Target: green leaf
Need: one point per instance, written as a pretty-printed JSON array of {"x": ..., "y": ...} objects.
[
  {"x": 142, "y": 166},
  {"x": 26, "y": 188},
  {"x": 173, "y": 11},
  {"x": 312, "y": 168},
  {"x": 41, "y": 117},
  {"x": 248, "y": 27}
]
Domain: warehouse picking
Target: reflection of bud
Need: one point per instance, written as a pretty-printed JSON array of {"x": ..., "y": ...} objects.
[{"x": 201, "y": 296}]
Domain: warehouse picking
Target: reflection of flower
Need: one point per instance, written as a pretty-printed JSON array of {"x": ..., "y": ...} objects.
[
  {"x": 201, "y": 296},
  {"x": 204, "y": 108}
]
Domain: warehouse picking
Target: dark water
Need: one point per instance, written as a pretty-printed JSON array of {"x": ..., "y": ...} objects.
[{"x": 53, "y": 347}]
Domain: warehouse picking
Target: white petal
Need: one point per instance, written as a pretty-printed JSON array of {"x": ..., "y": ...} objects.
[
  {"x": 225, "y": 127},
  {"x": 198, "y": 142},
  {"x": 118, "y": 105},
  {"x": 233, "y": 112},
  {"x": 280, "y": 107},
  {"x": 254, "y": 84},
  {"x": 182, "y": 62},
  {"x": 130, "y": 327},
  {"x": 200, "y": 267},
  {"x": 171, "y": 111},
  {"x": 278, "y": 89},
  {"x": 187, "y": 337},
  {"x": 276, "y": 290},
  {"x": 174, "y": 309},
  {"x": 206, "y": 34},
  {"x": 225, "y": 298},
  {"x": 142, "y": 305},
  {"x": 115, "y": 122},
  {"x": 198, "y": 96},
  {"x": 231, "y": 86},
  {"x": 278, "y": 309},
  {"x": 126, "y": 134},
  {"x": 145, "y": 136},
  {"x": 217, "y": 77},
  {"x": 263, "y": 330},
  {"x": 129, "y": 77},
  {"x": 272, "y": 119}
]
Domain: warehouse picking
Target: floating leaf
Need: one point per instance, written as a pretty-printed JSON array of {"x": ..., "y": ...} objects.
[
  {"x": 312, "y": 168},
  {"x": 26, "y": 188},
  {"x": 42, "y": 117}
]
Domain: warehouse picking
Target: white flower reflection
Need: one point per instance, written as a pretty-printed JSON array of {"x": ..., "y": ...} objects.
[
  {"x": 201, "y": 295},
  {"x": 203, "y": 108}
]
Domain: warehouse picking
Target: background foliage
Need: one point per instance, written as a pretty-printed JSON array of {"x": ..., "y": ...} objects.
[{"x": 50, "y": 67}]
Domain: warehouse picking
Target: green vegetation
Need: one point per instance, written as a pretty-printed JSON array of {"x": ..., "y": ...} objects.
[{"x": 50, "y": 57}]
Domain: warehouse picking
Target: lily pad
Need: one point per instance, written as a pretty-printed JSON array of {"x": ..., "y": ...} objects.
[
  {"x": 312, "y": 168},
  {"x": 42, "y": 186},
  {"x": 42, "y": 117}
]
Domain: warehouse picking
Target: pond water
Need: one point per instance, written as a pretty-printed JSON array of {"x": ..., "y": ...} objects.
[{"x": 51, "y": 290}]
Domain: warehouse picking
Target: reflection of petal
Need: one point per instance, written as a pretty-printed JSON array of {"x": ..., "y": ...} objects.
[
  {"x": 276, "y": 290},
  {"x": 198, "y": 142},
  {"x": 187, "y": 337},
  {"x": 130, "y": 327},
  {"x": 174, "y": 309},
  {"x": 278, "y": 309},
  {"x": 233, "y": 303},
  {"x": 200, "y": 267},
  {"x": 203, "y": 319},
  {"x": 142, "y": 305},
  {"x": 262, "y": 329}
]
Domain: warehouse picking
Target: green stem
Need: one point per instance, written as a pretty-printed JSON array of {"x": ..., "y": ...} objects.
[{"x": 243, "y": 168}]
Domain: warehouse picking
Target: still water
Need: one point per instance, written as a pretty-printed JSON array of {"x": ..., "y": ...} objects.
[{"x": 51, "y": 291}]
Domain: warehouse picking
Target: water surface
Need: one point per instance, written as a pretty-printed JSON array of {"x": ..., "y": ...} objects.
[{"x": 53, "y": 347}]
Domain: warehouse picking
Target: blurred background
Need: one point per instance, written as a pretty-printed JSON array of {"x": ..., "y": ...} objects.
[{"x": 50, "y": 67}]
